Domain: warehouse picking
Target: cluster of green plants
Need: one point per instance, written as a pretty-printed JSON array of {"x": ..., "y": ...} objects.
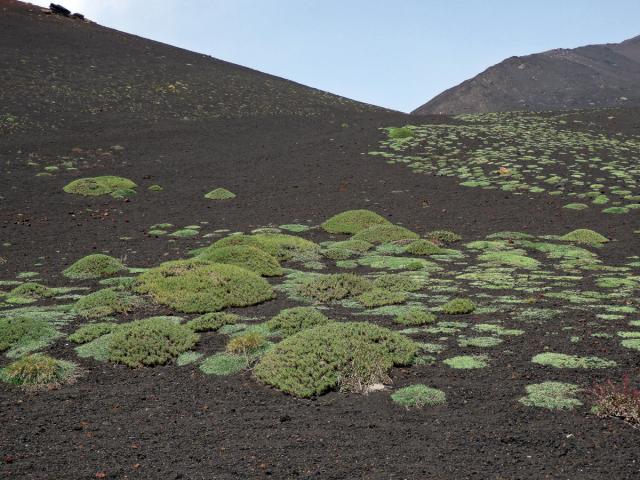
[
  {"x": 524, "y": 153},
  {"x": 117, "y": 187}
]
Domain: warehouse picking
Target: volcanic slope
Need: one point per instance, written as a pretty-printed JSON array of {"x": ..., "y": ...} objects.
[
  {"x": 593, "y": 76},
  {"x": 240, "y": 151}
]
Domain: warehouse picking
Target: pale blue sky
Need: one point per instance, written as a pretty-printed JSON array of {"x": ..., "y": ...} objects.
[{"x": 393, "y": 54}]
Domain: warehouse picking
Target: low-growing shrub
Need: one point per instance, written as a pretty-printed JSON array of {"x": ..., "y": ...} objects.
[
  {"x": 95, "y": 186},
  {"x": 397, "y": 133},
  {"x": 194, "y": 287},
  {"x": 552, "y": 396},
  {"x": 38, "y": 371},
  {"x": 282, "y": 246},
  {"x": 423, "y": 247},
  {"x": 327, "y": 288},
  {"x": 458, "y": 306},
  {"x": 23, "y": 331},
  {"x": 419, "y": 396},
  {"x": 353, "y": 221},
  {"x": 443, "y": 237},
  {"x": 103, "y": 303},
  {"x": 583, "y": 235},
  {"x": 149, "y": 342},
  {"x": 220, "y": 194},
  {"x": 245, "y": 256},
  {"x": 32, "y": 290},
  {"x": 246, "y": 344},
  {"x": 617, "y": 400},
  {"x": 385, "y": 233},
  {"x": 378, "y": 297},
  {"x": 562, "y": 360},
  {"x": 480, "y": 342},
  {"x": 347, "y": 355},
  {"x": 397, "y": 283},
  {"x": 467, "y": 362},
  {"x": 223, "y": 364},
  {"x": 94, "y": 266},
  {"x": 293, "y": 320},
  {"x": 510, "y": 259},
  {"x": 210, "y": 322},
  {"x": 415, "y": 316},
  {"x": 88, "y": 333}
]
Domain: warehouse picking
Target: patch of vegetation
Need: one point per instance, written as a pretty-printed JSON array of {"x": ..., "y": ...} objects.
[
  {"x": 39, "y": 371},
  {"x": 552, "y": 396},
  {"x": 351, "y": 356},
  {"x": 149, "y": 342},
  {"x": 479, "y": 342},
  {"x": 415, "y": 316},
  {"x": 562, "y": 360},
  {"x": 294, "y": 227},
  {"x": 423, "y": 247},
  {"x": 211, "y": 322},
  {"x": 327, "y": 288},
  {"x": 246, "y": 344},
  {"x": 632, "y": 343},
  {"x": 576, "y": 206},
  {"x": 397, "y": 283},
  {"x": 32, "y": 290},
  {"x": 103, "y": 303},
  {"x": 443, "y": 237},
  {"x": 223, "y": 364},
  {"x": 193, "y": 287},
  {"x": 467, "y": 361},
  {"x": 458, "y": 306},
  {"x": 155, "y": 188},
  {"x": 245, "y": 256},
  {"x": 88, "y": 333},
  {"x": 385, "y": 234},
  {"x": 510, "y": 259},
  {"x": 397, "y": 133},
  {"x": 378, "y": 297},
  {"x": 617, "y": 400},
  {"x": 395, "y": 263},
  {"x": 293, "y": 320},
  {"x": 188, "y": 358},
  {"x": 419, "y": 396},
  {"x": 95, "y": 186},
  {"x": 220, "y": 194},
  {"x": 185, "y": 233},
  {"x": 94, "y": 266},
  {"x": 283, "y": 247},
  {"x": 25, "y": 334},
  {"x": 583, "y": 235},
  {"x": 353, "y": 221}
]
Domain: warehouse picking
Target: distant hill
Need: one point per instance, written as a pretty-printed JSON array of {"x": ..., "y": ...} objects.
[
  {"x": 56, "y": 66},
  {"x": 586, "y": 77}
]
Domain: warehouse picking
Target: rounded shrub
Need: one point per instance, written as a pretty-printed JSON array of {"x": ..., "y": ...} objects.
[
  {"x": 458, "y": 306},
  {"x": 95, "y": 186},
  {"x": 103, "y": 303},
  {"x": 423, "y": 247},
  {"x": 293, "y": 320},
  {"x": 94, "y": 266},
  {"x": 419, "y": 396},
  {"x": 32, "y": 290},
  {"x": 327, "y": 288},
  {"x": 223, "y": 364},
  {"x": 385, "y": 233},
  {"x": 194, "y": 287},
  {"x": 38, "y": 371},
  {"x": 245, "y": 256},
  {"x": 583, "y": 235},
  {"x": 353, "y": 221},
  {"x": 210, "y": 322},
  {"x": 351, "y": 356},
  {"x": 88, "y": 333},
  {"x": 15, "y": 331},
  {"x": 397, "y": 133},
  {"x": 397, "y": 282},
  {"x": 246, "y": 344},
  {"x": 149, "y": 342},
  {"x": 378, "y": 297},
  {"x": 220, "y": 194},
  {"x": 280, "y": 245},
  {"x": 415, "y": 316},
  {"x": 443, "y": 236}
]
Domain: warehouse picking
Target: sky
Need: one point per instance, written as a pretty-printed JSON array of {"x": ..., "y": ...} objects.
[{"x": 393, "y": 54}]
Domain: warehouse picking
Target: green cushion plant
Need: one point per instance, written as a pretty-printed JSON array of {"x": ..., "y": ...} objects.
[{"x": 353, "y": 221}]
